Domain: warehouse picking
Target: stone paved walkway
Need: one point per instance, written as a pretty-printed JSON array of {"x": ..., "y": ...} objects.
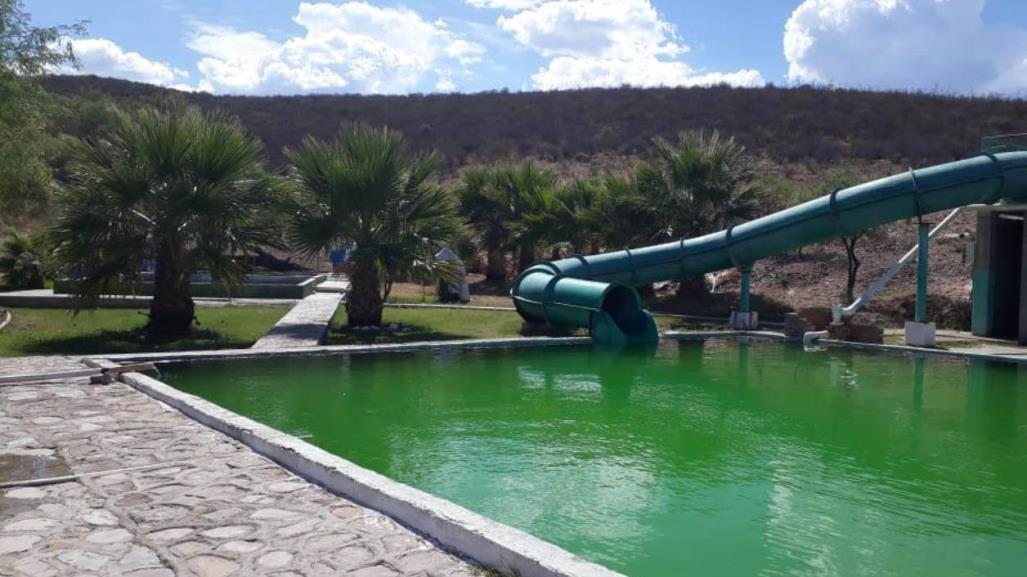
[
  {"x": 192, "y": 502},
  {"x": 303, "y": 326}
]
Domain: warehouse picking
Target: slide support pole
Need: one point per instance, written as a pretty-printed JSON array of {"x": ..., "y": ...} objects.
[
  {"x": 745, "y": 306},
  {"x": 921, "y": 273}
]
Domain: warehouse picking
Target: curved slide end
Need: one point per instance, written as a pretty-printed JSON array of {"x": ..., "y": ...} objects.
[{"x": 611, "y": 312}]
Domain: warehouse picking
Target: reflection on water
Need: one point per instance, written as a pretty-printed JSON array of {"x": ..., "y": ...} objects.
[{"x": 729, "y": 458}]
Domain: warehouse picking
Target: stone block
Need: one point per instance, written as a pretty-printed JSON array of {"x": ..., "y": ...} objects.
[
  {"x": 920, "y": 334},
  {"x": 744, "y": 321},
  {"x": 796, "y": 326},
  {"x": 818, "y": 317}
]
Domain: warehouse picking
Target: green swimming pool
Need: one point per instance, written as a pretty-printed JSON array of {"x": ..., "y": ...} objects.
[{"x": 709, "y": 458}]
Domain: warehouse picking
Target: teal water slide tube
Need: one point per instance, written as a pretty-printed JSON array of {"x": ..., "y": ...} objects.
[{"x": 597, "y": 292}]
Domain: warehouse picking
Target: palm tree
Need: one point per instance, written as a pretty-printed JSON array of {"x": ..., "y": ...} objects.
[
  {"x": 487, "y": 212},
  {"x": 20, "y": 264},
  {"x": 624, "y": 217},
  {"x": 576, "y": 220},
  {"x": 365, "y": 189},
  {"x": 183, "y": 189},
  {"x": 511, "y": 207},
  {"x": 531, "y": 192},
  {"x": 699, "y": 184}
]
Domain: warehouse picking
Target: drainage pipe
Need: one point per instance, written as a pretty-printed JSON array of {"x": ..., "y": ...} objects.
[{"x": 859, "y": 303}]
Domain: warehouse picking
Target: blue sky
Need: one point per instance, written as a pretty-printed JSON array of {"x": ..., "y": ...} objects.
[{"x": 380, "y": 46}]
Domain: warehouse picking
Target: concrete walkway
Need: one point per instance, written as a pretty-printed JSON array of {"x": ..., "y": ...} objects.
[
  {"x": 303, "y": 326},
  {"x": 152, "y": 493},
  {"x": 334, "y": 284}
]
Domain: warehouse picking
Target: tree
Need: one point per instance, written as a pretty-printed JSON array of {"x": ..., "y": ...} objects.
[
  {"x": 699, "y": 184},
  {"x": 366, "y": 189},
  {"x": 26, "y": 53},
  {"x": 837, "y": 178},
  {"x": 577, "y": 211},
  {"x": 624, "y": 217},
  {"x": 487, "y": 212},
  {"x": 511, "y": 208},
  {"x": 20, "y": 263},
  {"x": 183, "y": 189},
  {"x": 532, "y": 195}
]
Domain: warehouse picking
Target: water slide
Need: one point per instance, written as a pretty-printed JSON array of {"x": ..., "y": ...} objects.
[{"x": 597, "y": 292}]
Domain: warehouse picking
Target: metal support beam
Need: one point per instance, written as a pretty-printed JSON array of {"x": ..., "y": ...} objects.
[
  {"x": 744, "y": 306},
  {"x": 921, "y": 273}
]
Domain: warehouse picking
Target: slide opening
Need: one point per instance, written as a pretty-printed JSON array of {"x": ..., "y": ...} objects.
[{"x": 623, "y": 305}]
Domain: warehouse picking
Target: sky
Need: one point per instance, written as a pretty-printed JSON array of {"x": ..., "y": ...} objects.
[{"x": 264, "y": 47}]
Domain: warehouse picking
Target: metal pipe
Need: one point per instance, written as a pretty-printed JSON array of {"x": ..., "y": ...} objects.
[
  {"x": 744, "y": 305},
  {"x": 864, "y": 298}
]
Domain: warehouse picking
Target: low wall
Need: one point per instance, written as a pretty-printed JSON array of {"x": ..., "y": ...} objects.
[{"x": 293, "y": 287}]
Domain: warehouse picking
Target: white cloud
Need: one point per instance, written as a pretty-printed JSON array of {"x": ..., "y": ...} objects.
[
  {"x": 504, "y": 4},
  {"x": 904, "y": 44},
  {"x": 604, "y": 43},
  {"x": 105, "y": 58},
  {"x": 353, "y": 46}
]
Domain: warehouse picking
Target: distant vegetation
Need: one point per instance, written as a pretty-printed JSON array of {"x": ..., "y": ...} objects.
[{"x": 787, "y": 125}]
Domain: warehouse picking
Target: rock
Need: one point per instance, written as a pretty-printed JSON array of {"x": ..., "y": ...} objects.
[
  {"x": 211, "y": 566},
  {"x": 100, "y": 517},
  {"x": 227, "y": 532},
  {"x": 275, "y": 559},
  {"x": 795, "y": 326},
  {"x": 36, "y": 524},
  {"x": 18, "y": 544},
  {"x": 83, "y": 560},
  {"x": 25, "y": 493},
  {"x": 818, "y": 317},
  {"x": 109, "y": 536},
  {"x": 168, "y": 535},
  {"x": 857, "y": 333},
  {"x": 240, "y": 546}
]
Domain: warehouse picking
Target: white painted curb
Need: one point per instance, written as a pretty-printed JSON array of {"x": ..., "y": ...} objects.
[
  {"x": 455, "y": 528},
  {"x": 220, "y": 354}
]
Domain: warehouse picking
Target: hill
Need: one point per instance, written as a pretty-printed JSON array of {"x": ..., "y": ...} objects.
[{"x": 790, "y": 125}]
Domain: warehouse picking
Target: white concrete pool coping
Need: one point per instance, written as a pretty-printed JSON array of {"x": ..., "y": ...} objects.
[{"x": 453, "y": 527}]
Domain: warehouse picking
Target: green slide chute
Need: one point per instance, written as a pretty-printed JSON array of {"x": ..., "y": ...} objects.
[{"x": 597, "y": 292}]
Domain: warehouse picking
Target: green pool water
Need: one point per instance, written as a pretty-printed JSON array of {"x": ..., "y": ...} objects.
[{"x": 694, "y": 457}]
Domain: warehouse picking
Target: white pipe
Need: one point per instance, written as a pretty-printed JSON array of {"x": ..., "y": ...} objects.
[
  {"x": 810, "y": 337},
  {"x": 838, "y": 312}
]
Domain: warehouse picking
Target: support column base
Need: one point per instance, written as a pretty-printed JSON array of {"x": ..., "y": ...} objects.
[
  {"x": 920, "y": 334},
  {"x": 744, "y": 321}
]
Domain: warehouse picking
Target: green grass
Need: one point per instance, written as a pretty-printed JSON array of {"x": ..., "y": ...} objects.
[
  {"x": 437, "y": 325},
  {"x": 457, "y": 324},
  {"x": 57, "y": 331}
]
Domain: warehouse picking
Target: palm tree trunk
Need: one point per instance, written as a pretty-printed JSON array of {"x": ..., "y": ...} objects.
[
  {"x": 364, "y": 303},
  {"x": 525, "y": 257},
  {"x": 497, "y": 264},
  {"x": 172, "y": 309}
]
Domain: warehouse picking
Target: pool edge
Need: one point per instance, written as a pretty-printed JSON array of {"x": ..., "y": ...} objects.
[{"x": 454, "y": 528}]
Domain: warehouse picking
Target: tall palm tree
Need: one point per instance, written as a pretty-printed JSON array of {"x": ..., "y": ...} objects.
[
  {"x": 366, "y": 189},
  {"x": 531, "y": 192},
  {"x": 180, "y": 188},
  {"x": 488, "y": 213},
  {"x": 700, "y": 183},
  {"x": 511, "y": 208}
]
